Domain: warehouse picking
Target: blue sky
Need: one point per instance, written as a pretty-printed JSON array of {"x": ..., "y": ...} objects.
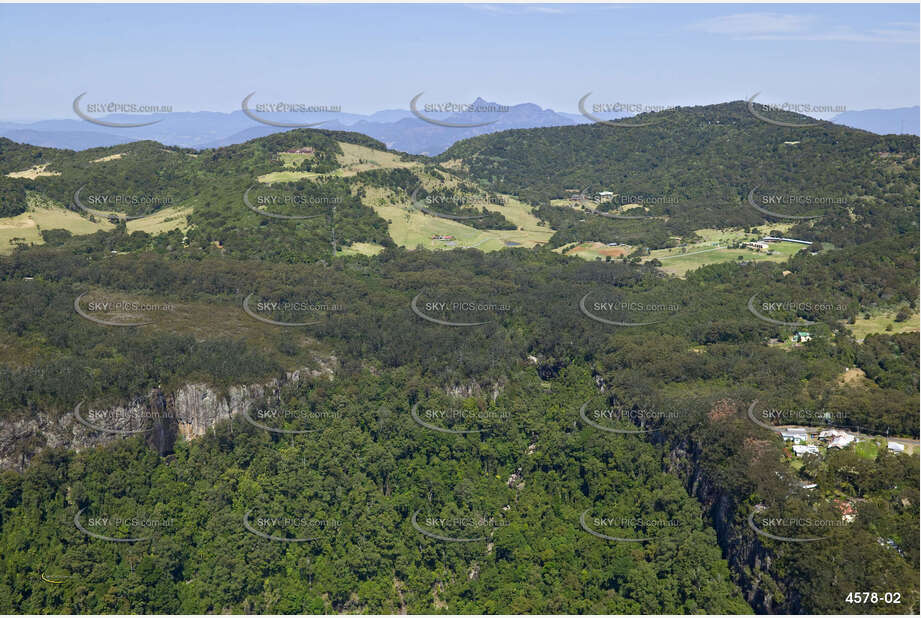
[{"x": 371, "y": 57}]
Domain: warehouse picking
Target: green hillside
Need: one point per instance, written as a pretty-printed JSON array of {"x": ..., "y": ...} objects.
[
  {"x": 694, "y": 167},
  {"x": 486, "y": 422}
]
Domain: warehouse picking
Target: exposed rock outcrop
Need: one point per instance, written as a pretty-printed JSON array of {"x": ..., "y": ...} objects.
[
  {"x": 747, "y": 557},
  {"x": 190, "y": 411}
]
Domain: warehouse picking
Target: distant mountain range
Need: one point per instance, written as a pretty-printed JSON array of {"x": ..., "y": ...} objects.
[
  {"x": 399, "y": 129},
  {"x": 883, "y": 121}
]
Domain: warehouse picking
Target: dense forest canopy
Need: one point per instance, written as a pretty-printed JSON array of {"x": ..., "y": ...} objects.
[{"x": 515, "y": 431}]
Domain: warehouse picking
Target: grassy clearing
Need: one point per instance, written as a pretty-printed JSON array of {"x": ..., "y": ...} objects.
[
  {"x": 292, "y": 159},
  {"x": 21, "y": 352},
  {"x": 453, "y": 164},
  {"x": 34, "y": 172},
  {"x": 202, "y": 320},
  {"x": 712, "y": 239},
  {"x": 164, "y": 220},
  {"x": 362, "y": 248},
  {"x": 726, "y": 236},
  {"x": 879, "y": 321},
  {"x": 680, "y": 261},
  {"x": 594, "y": 250},
  {"x": 43, "y": 214},
  {"x": 362, "y": 158},
  {"x": 354, "y": 159},
  {"x": 867, "y": 449},
  {"x": 412, "y": 228},
  {"x": 108, "y": 158},
  {"x": 855, "y": 376},
  {"x": 273, "y": 177}
]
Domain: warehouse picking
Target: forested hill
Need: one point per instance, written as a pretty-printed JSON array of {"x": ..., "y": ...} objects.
[
  {"x": 150, "y": 167},
  {"x": 697, "y": 165},
  {"x": 577, "y": 456}
]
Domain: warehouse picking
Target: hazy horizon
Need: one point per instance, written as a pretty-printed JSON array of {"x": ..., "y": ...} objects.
[{"x": 856, "y": 57}]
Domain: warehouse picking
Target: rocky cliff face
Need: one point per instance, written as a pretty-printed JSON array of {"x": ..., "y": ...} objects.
[
  {"x": 473, "y": 389},
  {"x": 747, "y": 558},
  {"x": 190, "y": 412}
]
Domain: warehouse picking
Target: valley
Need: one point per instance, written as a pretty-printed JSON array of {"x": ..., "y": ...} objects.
[{"x": 310, "y": 327}]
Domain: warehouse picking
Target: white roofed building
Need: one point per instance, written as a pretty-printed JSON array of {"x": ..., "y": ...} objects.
[
  {"x": 795, "y": 435},
  {"x": 837, "y": 438}
]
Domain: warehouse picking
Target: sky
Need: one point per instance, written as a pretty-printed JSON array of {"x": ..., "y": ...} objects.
[{"x": 365, "y": 58}]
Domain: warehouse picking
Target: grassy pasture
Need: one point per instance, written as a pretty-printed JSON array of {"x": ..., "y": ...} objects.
[
  {"x": 879, "y": 321},
  {"x": 411, "y": 228},
  {"x": 43, "y": 214}
]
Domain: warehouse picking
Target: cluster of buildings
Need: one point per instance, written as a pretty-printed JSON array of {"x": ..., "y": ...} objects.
[
  {"x": 577, "y": 196},
  {"x": 765, "y": 243},
  {"x": 806, "y": 441},
  {"x": 833, "y": 438},
  {"x": 306, "y": 150}
]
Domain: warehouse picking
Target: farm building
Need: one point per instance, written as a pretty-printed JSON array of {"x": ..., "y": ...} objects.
[
  {"x": 794, "y": 435},
  {"x": 838, "y": 438},
  {"x": 847, "y": 510},
  {"x": 778, "y": 239}
]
